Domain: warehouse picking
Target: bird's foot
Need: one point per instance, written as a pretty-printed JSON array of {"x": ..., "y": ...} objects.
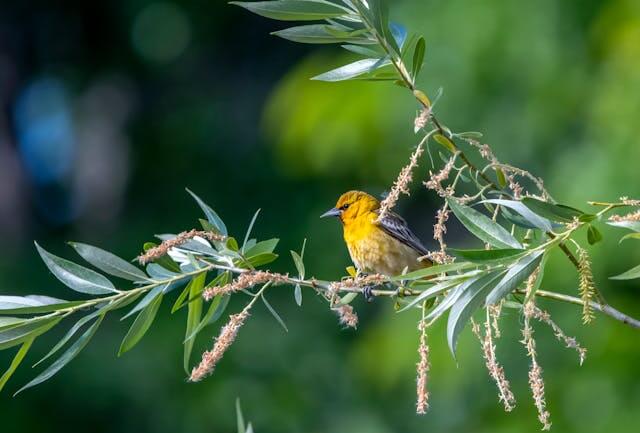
[{"x": 367, "y": 292}]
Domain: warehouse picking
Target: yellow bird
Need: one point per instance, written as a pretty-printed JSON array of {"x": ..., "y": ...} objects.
[{"x": 387, "y": 246}]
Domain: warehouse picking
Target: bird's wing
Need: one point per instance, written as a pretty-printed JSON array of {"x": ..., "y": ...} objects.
[{"x": 394, "y": 225}]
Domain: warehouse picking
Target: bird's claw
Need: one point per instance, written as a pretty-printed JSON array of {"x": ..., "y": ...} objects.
[{"x": 367, "y": 292}]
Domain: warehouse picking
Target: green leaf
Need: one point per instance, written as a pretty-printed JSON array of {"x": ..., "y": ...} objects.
[
  {"x": 451, "y": 297},
  {"x": 22, "y": 352},
  {"x": 418, "y": 57},
  {"x": 432, "y": 270},
  {"x": 66, "y": 357},
  {"x": 554, "y": 212},
  {"x": 232, "y": 244},
  {"x": 467, "y": 303},
  {"x": 431, "y": 292},
  {"x": 294, "y": 10},
  {"x": 299, "y": 264},
  {"x": 74, "y": 276},
  {"x": 262, "y": 247},
  {"x": 193, "y": 316},
  {"x": 631, "y": 274},
  {"x": 484, "y": 256},
  {"x": 320, "y": 34},
  {"x": 297, "y": 294},
  {"x": 363, "y": 51},
  {"x": 262, "y": 259},
  {"x": 445, "y": 142},
  {"x": 274, "y": 313},
  {"x": 630, "y": 236},
  {"x": 246, "y": 236},
  {"x": 148, "y": 298},
  {"x": 593, "y": 235},
  {"x": 240, "y": 418},
  {"x": 33, "y": 304},
  {"x": 14, "y": 335},
  {"x": 482, "y": 226},
  {"x": 108, "y": 262},
  {"x": 514, "y": 276},
  {"x": 216, "y": 309},
  {"x": 631, "y": 225},
  {"x": 69, "y": 334},
  {"x": 526, "y": 213},
  {"x": 211, "y": 215},
  {"x": 11, "y": 322},
  {"x": 502, "y": 179},
  {"x": 140, "y": 325},
  {"x": 351, "y": 70}
]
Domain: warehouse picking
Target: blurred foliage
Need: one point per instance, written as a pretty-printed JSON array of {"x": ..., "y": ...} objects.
[{"x": 554, "y": 87}]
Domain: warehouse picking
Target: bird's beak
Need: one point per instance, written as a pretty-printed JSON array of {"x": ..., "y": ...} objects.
[{"x": 331, "y": 213}]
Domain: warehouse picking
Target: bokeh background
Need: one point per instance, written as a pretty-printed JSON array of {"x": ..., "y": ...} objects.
[{"x": 111, "y": 109}]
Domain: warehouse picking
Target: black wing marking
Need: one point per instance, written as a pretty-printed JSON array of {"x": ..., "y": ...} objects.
[{"x": 397, "y": 227}]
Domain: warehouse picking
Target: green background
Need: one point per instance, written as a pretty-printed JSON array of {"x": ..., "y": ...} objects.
[{"x": 162, "y": 96}]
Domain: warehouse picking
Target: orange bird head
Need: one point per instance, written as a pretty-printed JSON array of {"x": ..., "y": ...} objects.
[{"x": 351, "y": 205}]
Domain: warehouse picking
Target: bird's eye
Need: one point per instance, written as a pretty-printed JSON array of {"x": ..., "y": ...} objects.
[{"x": 344, "y": 206}]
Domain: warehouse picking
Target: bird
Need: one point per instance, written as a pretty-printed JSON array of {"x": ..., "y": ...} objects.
[{"x": 384, "y": 245}]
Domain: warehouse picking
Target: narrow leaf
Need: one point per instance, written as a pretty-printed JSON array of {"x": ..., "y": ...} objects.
[
  {"x": 554, "y": 212},
  {"x": 464, "y": 307},
  {"x": 526, "y": 213},
  {"x": 193, "y": 316},
  {"x": 246, "y": 236},
  {"x": 433, "y": 270},
  {"x": 293, "y": 10},
  {"x": 631, "y": 274},
  {"x": 514, "y": 276},
  {"x": 262, "y": 247},
  {"x": 66, "y": 357},
  {"x": 351, "y": 70},
  {"x": 418, "y": 57},
  {"x": 74, "y": 276},
  {"x": 140, "y": 325},
  {"x": 319, "y": 34},
  {"x": 22, "y": 352},
  {"x": 297, "y": 294},
  {"x": 484, "y": 256},
  {"x": 274, "y": 313},
  {"x": 211, "y": 215},
  {"x": 482, "y": 226},
  {"x": 297, "y": 260},
  {"x": 108, "y": 262}
]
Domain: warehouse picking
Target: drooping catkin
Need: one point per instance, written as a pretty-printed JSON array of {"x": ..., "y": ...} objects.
[
  {"x": 496, "y": 371},
  {"x": 587, "y": 288},
  {"x": 402, "y": 183},
  {"x": 347, "y": 316},
  {"x": 226, "y": 338},
  {"x": 422, "y": 370},
  {"x": 536, "y": 382},
  {"x": 569, "y": 342}
]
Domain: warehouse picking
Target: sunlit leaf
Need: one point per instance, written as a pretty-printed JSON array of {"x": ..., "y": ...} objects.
[
  {"x": 467, "y": 303},
  {"x": 14, "y": 335},
  {"x": 630, "y": 236},
  {"x": 526, "y": 213},
  {"x": 631, "y": 274},
  {"x": 431, "y": 292},
  {"x": 631, "y": 225},
  {"x": 516, "y": 274},
  {"x": 351, "y": 70},
  {"x": 297, "y": 260},
  {"x": 363, "y": 51},
  {"x": 293, "y": 10},
  {"x": 262, "y": 259},
  {"x": 108, "y": 262},
  {"x": 211, "y": 215},
  {"x": 74, "y": 276},
  {"x": 319, "y": 34},
  {"x": 482, "y": 226},
  {"x": 433, "y": 270},
  {"x": 33, "y": 304},
  {"x": 22, "y": 352},
  {"x": 399, "y": 33},
  {"x": 297, "y": 294}
]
